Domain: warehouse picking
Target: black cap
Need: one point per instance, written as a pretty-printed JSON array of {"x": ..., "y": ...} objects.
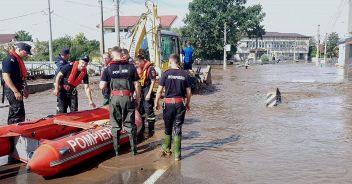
[
  {"x": 85, "y": 58},
  {"x": 65, "y": 51},
  {"x": 25, "y": 47}
]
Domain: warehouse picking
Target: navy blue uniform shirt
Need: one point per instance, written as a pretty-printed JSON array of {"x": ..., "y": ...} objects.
[
  {"x": 175, "y": 82},
  {"x": 10, "y": 65},
  {"x": 60, "y": 62},
  {"x": 127, "y": 71},
  {"x": 151, "y": 76}
]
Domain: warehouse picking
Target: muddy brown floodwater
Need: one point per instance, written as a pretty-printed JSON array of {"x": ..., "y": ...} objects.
[{"x": 231, "y": 137}]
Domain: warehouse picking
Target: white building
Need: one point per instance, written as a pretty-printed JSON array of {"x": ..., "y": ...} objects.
[
  {"x": 283, "y": 46},
  {"x": 345, "y": 55}
]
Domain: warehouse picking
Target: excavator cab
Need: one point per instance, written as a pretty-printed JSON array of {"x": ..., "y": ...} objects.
[{"x": 169, "y": 44}]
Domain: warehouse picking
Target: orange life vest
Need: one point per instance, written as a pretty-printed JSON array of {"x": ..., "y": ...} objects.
[
  {"x": 144, "y": 74},
  {"x": 72, "y": 80}
]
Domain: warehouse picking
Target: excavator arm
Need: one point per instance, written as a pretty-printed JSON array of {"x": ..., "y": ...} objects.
[{"x": 147, "y": 26}]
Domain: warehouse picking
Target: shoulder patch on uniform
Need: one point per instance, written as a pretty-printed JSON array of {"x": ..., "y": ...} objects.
[{"x": 153, "y": 72}]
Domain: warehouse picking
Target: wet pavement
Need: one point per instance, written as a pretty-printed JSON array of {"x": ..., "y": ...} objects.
[{"x": 231, "y": 137}]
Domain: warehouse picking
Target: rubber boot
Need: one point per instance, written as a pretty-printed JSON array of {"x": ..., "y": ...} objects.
[
  {"x": 133, "y": 143},
  {"x": 177, "y": 147},
  {"x": 151, "y": 127},
  {"x": 116, "y": 140},
  {"x": 166, "y": 146},
  {"x": 143, "y": 124}
]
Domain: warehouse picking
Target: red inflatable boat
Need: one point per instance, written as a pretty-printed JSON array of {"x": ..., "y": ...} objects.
[{"x": 54, "y": 144}]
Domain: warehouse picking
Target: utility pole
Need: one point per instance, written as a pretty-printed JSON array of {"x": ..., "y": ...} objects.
[
  {"x": 350, "y": 18},
  {"x": 102, "y": 44},
  {"x": 318, "y": 45},
  {"x": 225, "y": 43},
  {"x": 50, "y": 34},
  {"x": 117, "y": 21},
  {"x": 325, "y": 46},
  {"x": 294, "y": 50}
]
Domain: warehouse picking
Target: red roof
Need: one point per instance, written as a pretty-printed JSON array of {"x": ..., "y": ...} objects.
[
  {"x": 6, "y": 38},
  {"x": 128, "y": 21}
]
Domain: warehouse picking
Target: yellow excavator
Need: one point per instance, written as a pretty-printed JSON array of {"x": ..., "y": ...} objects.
[{"x": 158, "y": 44}]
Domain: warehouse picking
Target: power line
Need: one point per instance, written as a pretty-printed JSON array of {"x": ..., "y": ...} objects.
[
  {"x": 74, "y": 22},
  {"x": 86, "y": 4},
  {"x": 338, "y": 14},
  {"x": 31, "y": 24},
  {"x": 20, "y": 16}
]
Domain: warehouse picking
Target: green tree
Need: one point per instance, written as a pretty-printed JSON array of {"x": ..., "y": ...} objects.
[
  {"x": 40, "y": 51},
  {"x": 60, "y": 43},
  {"x": 332, "y": 45},
  {"x": 312, "y": 47},
  {"x": 79, "y": 45},
  {"x": 252, "y": 27},
  {"x": 23, "y": 36},
  {"x": 3, "y": 53},
  {"x": 205, "y": 24}
]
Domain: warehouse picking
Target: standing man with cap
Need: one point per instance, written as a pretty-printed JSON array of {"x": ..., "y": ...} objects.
[
  {"x": 69, "y": 77},
  {"x": 147, "y": 81},
  {"x": 123, "y": 79},
  {"x": 177, "y": 102},
  {"x": 62, "y": 59},
  {"x": 14, "y": 76}
]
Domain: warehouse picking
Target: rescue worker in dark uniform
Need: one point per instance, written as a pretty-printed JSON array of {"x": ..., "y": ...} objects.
[
  {"x": 123, "y": 79},
  {"x": 69, "y": 77},
  {"x": 62, "y": 59},
  {"x": 106, "y": 92},
  {"x": 14, "y": 75},
  {"x": 176, "y": 103},
  {"x": 147, "y": 76},
  {"x": 115, "y": 54}
]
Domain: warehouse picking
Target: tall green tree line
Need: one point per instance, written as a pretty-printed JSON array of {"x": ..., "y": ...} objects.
[{"x": 204, "y": 25}]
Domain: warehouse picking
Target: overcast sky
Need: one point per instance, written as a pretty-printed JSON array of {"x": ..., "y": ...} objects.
[{"x": 73, "y": 16}]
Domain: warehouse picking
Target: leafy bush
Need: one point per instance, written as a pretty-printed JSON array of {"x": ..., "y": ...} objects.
[
  {"x": 79, "y": 46},
  {"x": 265, "y": 58}
]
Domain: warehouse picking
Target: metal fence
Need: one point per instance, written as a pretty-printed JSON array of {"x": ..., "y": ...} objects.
[{"x": 49, "y": 68}]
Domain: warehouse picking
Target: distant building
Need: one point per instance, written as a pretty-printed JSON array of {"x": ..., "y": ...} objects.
[
  {"x": 7, "y": 38},
  {"x": 127, "y": 22},
  {"x": 345, "y": 52},
  {"x": 283, "y": 46}
]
